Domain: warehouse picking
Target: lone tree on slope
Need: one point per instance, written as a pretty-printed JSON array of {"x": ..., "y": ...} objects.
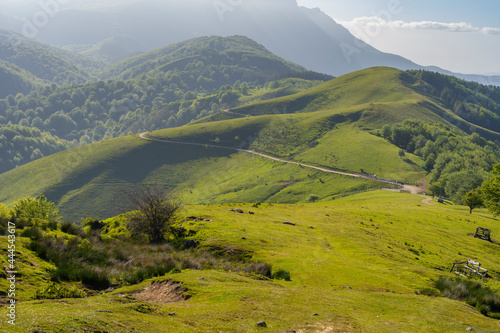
[
  {"x": 473, "y": 199},
  {"x": 154, "y": 212}
]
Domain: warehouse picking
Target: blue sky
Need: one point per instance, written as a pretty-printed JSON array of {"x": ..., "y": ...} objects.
[{"x": 461, "y": 36}]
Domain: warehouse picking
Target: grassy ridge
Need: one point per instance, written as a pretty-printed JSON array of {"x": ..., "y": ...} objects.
[
  {"x": 337, "y": 128},
  {"x": 356, "y": 262},
  {"x": 90, "y": 182},
  {"x": 373, "y": 85}
]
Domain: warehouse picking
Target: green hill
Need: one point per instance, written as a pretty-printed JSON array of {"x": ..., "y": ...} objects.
[
  {"x": 359, "y": 264},
  {"x": 238, "y": 73},
  {"x": 218, "y": 61},
  {"x": 479, "y": 104},
  {"x": 45, "y": 62},
  {"x": 21, "y": 144},
  {"x": 14, "y": 80},
  {"x": 339, "y": 126}
]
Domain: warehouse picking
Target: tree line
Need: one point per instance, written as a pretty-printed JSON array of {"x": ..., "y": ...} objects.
[{"x": 457, "y": 162}]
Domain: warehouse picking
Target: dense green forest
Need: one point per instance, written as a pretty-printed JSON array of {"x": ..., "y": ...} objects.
[
  {"x": 20, "y": 145},
  {"x": 165, "y": 88},
  {"x": 104, "y": 110},
  {"x": 214, "y": 58},
  {"x": 36, "y": 62},
  {"x": 474, "y": 102},
  {"x": 457, "y": 162}
]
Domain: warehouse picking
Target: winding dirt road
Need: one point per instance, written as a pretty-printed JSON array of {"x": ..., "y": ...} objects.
[{"x": 408, "y": 188}]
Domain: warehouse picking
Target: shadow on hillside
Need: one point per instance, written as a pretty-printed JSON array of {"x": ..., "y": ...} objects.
[{"x": 107, "y": 181}]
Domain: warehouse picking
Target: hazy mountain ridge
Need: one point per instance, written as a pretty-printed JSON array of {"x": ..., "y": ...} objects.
[
  {"x": 47, "y": 63},
  {"x": 305, "y": 36},
  {"x": 228, "y": 51},
  {"x": 14, "y": 80}
]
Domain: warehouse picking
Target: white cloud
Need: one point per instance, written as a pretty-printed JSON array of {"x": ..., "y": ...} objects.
[
  {"x": 491, "y": 31},
  {"x": 377, "y": 22}
]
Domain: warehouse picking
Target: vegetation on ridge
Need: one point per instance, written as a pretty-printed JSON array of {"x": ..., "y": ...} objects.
[{"x": 382, "y": 266}]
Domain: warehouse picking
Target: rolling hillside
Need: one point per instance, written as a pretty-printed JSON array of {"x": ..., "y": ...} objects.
[
  {"x": 165, "y": 88},
  {"x": 14, "y": 80},
  {"x": 336, "y": 127},
  {"x": 218, "y": 60},
  {"x": 45, "y": 62},
  {"x": 357, "y": 264}
]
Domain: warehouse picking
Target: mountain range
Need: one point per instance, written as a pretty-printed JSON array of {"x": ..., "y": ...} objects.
[{"x": 122, "y": 29}]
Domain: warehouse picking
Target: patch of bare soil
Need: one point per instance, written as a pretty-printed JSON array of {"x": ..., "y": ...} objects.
[
  {"x": 322, "y": 328},
  {"x": 427, "y": 200},
  {"x": 162, "y": 292}
]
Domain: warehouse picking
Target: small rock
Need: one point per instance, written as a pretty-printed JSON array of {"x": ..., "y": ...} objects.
[
  {"x": 238, "y": 210},
  {"x": 104, "y": 311},
  {"x": 315, "y": 314},
  {"x": 171, "y": 314},
  {"x": 261, "y": 324},
  {"x": 289, "y": 223},
  {"x": 311, "y": 227},
  {"x": 231, "y": 210},
  {"x": 251, "y": 213},
  {"x": 469, "y": 329},
  {"x": 347, "y": 287},
  {"x": 207, "y": 220},
  {"x": 243, "y": 238},
  {"x": 191, "y": 244},
  {"x": 192, "y": 218}
]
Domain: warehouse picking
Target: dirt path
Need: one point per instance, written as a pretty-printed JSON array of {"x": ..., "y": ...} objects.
[
  {"x": 427, "y": 200},
  {"x": 231, "y": 112},
  {"x": 411, "y": 189}
]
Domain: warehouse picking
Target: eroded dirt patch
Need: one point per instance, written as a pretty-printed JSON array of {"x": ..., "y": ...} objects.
[
  {"x": 163, "y": 292},
  {"x": 328, "y": 328}
]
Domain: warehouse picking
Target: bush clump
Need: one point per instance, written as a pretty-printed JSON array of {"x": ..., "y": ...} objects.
[
  {"x": 281, "y": 275},
  {"x": 472, "y": 292},
  {"x": 55, "y": 291}
]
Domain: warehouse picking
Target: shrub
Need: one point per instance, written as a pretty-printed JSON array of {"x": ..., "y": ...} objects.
[
  {"x": 260, "y": 268},
  {"x": 51, "y": 225},
  {"x": 93, "y": 277},
  {"x": 93, "y": 224},
  {"x": 281, "y": 275},
  {"x": 154, "y": 212},
  {"x": 472, "y": 292},
  {"x": 36, "y": 208},
  {"x": 312, "y": 198},
  {"x": 4, "y": 211},
  {"x": 33, "y": 233},
  {"x": 429, "y": 292},
  {"x": 55, "y": 291},
  {"x": 70, "y": 228}
]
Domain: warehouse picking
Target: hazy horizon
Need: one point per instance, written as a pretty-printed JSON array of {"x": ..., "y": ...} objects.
[{"x": 459, "y": 42}]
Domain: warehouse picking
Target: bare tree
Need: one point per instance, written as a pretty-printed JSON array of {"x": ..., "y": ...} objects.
[{"x": 154, "y": 212}]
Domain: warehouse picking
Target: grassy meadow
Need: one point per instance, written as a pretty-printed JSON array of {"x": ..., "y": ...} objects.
[{"x": 356, "y": 265}]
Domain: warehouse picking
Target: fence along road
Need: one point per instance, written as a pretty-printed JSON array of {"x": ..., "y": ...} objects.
[{"x": 408, "y": 188}]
